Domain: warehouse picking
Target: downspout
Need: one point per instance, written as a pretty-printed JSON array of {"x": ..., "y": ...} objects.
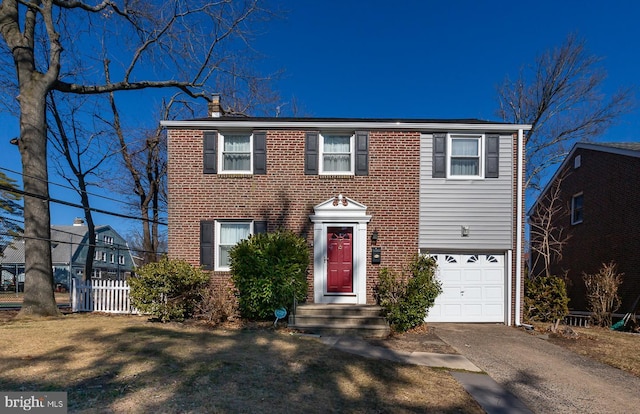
[{"x": 519, "y": 212}]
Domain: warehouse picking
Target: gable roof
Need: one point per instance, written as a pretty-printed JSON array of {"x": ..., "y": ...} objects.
[
  {"x": 629, "y": 149},
  {"x": 65, "y": 242}
]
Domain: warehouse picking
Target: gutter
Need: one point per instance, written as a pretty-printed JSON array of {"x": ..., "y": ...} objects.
[{"x": 214, "y": 123}]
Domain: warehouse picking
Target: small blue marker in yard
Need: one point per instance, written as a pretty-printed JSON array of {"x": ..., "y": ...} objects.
[{"x": 280, "y": 313}]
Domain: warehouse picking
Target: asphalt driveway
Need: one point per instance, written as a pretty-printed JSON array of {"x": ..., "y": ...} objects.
[{"x": 545, "y": 377}]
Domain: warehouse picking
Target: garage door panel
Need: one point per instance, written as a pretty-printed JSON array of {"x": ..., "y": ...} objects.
[
  {"x": 493, "y": 293},
  {"x": 473, "y": 289},
  {"x": 472, "y": 293},
  {"x": 472, "y": 276}
]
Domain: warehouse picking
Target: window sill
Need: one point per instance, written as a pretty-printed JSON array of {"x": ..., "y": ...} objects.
[
  {"x": 336, "y": 176},
  {"x": 247, "y": 175}
]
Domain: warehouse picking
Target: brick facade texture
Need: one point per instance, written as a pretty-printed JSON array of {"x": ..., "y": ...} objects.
[
  {"x": 285, "y": 196},
  {"x": 610, "y": 185}
]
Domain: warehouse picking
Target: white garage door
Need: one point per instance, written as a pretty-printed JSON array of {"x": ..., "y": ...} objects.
[{"x": 472, "y": 288}]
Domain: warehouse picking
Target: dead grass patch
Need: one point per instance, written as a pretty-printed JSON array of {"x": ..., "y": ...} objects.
[
  {"x": 127, "y": 364},
  {"x": 618, "y": 349}
]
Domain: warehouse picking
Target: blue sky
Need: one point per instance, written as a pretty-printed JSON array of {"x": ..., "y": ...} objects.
[{"x": 413, "y": 59}]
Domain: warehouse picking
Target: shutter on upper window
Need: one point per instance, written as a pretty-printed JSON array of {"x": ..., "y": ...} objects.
[
  {"x": 210, "y": 156},
  {"x": 311, "y": 153},
  {"x": 439, "y": 155},
  {"x": 206, "y": 244},
  {"x": 259, "y": 227},
  {"x": 492, "y": 152},
  {"x": 362, "y": 153},
  {"x": 260, "y": 152}
]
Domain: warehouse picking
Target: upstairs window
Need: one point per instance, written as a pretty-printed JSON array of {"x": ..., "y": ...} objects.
[
  {"x": 336, "y": 154},
  {"x": 121, "y": 259},
  {"x": 577, "y": 209},
  {"x": 235, "y": 156},
  {"x": 465, "y": 159}
]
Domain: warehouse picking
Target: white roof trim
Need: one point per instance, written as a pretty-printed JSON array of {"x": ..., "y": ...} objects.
[{"x": 441, "y": 126}]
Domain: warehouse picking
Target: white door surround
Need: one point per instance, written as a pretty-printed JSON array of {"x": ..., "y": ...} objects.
[{"x": 340, "y": 211}]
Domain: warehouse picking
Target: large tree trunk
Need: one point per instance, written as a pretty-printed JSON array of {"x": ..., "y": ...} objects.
[{"x": 39, "y": 298}]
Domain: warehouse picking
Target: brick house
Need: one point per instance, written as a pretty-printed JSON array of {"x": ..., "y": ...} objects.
[
  {"x": 366, "y": 194},
  {"x": 599, "y": 191}
]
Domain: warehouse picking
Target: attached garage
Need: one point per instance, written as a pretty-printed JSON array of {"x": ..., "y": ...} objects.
[{"x": 473, "y": 288}]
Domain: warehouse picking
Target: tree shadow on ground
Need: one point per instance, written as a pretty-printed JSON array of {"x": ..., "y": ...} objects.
[{"x": 149, "y": 367}]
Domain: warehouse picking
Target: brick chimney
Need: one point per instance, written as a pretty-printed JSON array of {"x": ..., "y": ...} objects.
[{"x": 214, "y": 107}]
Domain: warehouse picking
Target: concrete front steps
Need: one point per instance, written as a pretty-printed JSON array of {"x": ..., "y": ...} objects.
[{"x": 364, "y": 321}]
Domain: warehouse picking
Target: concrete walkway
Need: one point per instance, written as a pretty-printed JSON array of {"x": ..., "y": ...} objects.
[
  {"x": 545, "y": 377},
  {"x": 491, "y": 396}
]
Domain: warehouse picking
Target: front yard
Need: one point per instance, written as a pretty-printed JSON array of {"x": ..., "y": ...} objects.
[{"x": 127, "y": 364}]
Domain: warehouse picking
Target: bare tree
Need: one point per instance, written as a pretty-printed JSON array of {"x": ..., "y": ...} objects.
[
  {"x": 561, "y": 97},
  {"x": 84, "y": 151},
  {"x": 547, "y": 236},
  {"x": 63, "y": 45}
]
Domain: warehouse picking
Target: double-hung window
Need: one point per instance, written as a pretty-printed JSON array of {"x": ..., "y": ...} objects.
[
  {"x": 228, "y": 234},
  {"x": 577, "y": 206},
  {"x": 236, "y": 154},
  {"x": 336, "y": 154},
  {"x": 465, "y": 157}
]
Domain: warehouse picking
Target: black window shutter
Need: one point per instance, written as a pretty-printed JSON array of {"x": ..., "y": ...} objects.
[
  {"x": 492, "y": 156},
  {"x": 210, "y": 154},
  {"x": 362, "y": 153},
  {"x": 259, "y": 227},
  {"x": 260, "y": 152},
  {"x": 311, "y": 153},
  {"x": 439, "y": 155},
  {"x": 206, "y": 244}
]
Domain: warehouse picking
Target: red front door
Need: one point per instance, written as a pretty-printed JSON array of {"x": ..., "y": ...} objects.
[{"x": 340, "y": 259}]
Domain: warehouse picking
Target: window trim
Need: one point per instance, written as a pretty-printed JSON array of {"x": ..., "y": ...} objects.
[
  {"x": 480, "y": 156},
  {"x": 216, "y": 241},
  {"x": 321, "y": 153},
  {"x": 575, "y": 221},
  {"x": 220, "y": 155}
]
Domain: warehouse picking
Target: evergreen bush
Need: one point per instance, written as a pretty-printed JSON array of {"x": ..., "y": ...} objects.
[
  {"x": 268, "y": 271},
  {"x": 168, "y": 290},
  {"x": 545, "y": 299},
  {"x": 406, "y": 299}
]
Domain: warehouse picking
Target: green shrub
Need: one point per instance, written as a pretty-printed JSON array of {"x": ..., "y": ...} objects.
[
  {"x": 168, "y": 290},
  {"x": 406, "y": 299},
  {"x": 268, "y": 270},
  {"x": 545, "y": 299}
]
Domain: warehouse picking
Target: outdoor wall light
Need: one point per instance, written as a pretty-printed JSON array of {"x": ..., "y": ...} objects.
[
  {"x": 374, "y": 236},
  {"x": 464, "y": 231}
]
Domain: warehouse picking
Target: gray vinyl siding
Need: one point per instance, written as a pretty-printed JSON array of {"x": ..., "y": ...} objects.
[{"x": 485, "y": 205}]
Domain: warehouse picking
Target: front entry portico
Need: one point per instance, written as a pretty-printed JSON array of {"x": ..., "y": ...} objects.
[{"x": 340, "y": 251}]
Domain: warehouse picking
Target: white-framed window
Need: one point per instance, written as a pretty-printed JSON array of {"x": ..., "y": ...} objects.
[
  {"x": 103, "y": 256},
  {"x": 465, "y": 157},
  {"x": 577, "y": 162},
  {"x": 107, "y": 240},
  {"x": 228, "y": 234},
  {"x": 235, "y": 155},
  {"x": 121, "y": 259},
  {"x": 336, "y": 153},
  {"x": 112, "y": 258},
  {"x": 577, "y": 208},
  {"x": 97, "y": 255}
]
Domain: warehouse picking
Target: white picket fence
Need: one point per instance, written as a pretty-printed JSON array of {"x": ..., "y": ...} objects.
[{"x": 111, "y": 296}]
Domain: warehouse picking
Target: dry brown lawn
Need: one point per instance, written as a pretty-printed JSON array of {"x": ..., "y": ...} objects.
[
  {"x": 126, "y": 364},
  {"x": 618, "y": 349}
]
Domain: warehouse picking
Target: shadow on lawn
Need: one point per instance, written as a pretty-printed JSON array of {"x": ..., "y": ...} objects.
[{"x": 171, "y": 368}]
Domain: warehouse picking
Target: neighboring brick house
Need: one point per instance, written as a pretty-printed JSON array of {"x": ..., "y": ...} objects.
[
  {"x": 366, "y": 194},
  {"x": 599, "y": 192}
]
